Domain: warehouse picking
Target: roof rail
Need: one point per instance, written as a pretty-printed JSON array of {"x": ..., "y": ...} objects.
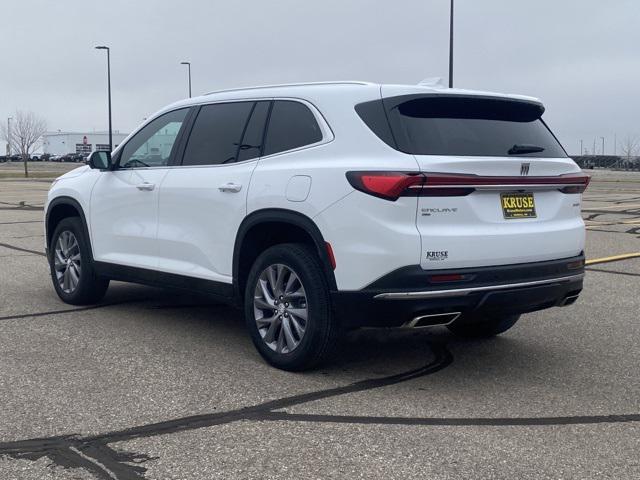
[{"x": 258, "y": 87}]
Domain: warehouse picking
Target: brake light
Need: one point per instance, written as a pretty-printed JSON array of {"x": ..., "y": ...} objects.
[
  {"x": 387, "y": 185},
  {"x": 392, "y": 185}
]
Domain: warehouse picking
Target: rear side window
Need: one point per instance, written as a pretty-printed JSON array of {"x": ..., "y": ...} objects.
[
  {"x": 464, "y": 126},
  {"x": 291, "y": 125},
  {"x": 216, "y": 134}
]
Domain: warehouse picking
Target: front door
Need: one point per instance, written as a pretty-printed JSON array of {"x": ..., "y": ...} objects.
[{"x": 124, "y": 202}]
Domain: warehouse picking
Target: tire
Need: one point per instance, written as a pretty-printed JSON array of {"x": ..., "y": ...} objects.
[
  {"x": 83, "y": 286},
  {"x": 484, "y": 326},
  {"x": 308, "y": 294}
]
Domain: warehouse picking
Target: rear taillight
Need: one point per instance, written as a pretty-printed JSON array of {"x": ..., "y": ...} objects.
[
  {"x": 392, "y": 185},
  {"x": 387, "y": 185}
]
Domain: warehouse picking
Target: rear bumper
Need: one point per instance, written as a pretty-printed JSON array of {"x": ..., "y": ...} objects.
[{"x": 500, "y": 290}]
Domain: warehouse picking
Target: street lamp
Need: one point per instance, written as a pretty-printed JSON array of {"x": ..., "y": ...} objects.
[
  {"x": 188, "y": 64},
  {"x": 451, "y": 47},
  {"x": 102, "y": 47}
]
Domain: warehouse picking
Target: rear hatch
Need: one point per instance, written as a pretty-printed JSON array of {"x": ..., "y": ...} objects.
[{"x": 497, "y": 186}]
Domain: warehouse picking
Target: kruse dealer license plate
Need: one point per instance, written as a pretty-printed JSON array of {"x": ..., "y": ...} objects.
[{"x": 518, "y": 205}]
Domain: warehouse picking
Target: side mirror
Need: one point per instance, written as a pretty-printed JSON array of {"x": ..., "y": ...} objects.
[{"x": 100, "y": 160}]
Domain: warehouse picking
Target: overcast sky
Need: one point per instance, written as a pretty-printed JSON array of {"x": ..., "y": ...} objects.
[{"x": 581, "y": 57}]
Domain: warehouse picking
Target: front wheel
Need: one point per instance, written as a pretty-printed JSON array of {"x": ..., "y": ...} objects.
[
  {"x": 288, "y": 310},
  {"x": 484, "y": 326},
  {"x": 72, "y": 272}
]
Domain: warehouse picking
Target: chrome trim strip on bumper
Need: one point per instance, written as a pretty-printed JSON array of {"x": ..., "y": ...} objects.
[{"x": 466, "y": 291}]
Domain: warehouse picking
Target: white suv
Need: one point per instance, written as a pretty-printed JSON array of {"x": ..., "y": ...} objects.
[{"x": 328, "y": 206}]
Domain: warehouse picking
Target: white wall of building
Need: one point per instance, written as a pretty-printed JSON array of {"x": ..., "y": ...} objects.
[{"x": 61, "y": 143}]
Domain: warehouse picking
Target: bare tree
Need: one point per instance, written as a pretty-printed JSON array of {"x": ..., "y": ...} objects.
[
  {"x": 629, "y": 147},
  {"x": 26, "y": 132}
]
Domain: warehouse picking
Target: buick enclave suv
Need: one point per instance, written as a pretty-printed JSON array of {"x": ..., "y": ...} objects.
[{"x": 323, "y": 207}]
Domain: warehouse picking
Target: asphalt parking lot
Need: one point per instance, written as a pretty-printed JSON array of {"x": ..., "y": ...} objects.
[{"x": 155, "y": 384}]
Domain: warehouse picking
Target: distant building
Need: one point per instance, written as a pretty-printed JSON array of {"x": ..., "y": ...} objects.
[{"x": 61, "y": 143}]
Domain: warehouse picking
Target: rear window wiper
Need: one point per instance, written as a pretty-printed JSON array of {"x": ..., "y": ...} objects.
[{"x": 519, "y": 149}]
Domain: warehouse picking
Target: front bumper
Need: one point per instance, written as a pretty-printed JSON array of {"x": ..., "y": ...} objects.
[{"x": 499, "y": 290}]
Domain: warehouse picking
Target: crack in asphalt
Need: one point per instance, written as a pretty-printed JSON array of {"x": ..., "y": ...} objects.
[
  {"x": 106, "y": 463},
  {"x": 20, "y": 249},
  {"x": 93, "y": 453},
  {"x": 15, "y": 223}
]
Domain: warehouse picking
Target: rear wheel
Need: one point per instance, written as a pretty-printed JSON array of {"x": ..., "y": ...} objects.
[
  {"x": 288, "y": 310},
  {"x": 484, "y": 326},
  {"x": 72, "y": 272}
]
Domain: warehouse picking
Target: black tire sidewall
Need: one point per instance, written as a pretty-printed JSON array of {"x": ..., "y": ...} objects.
[
  {"x": 314, "y": 344},
  {"x": 90, "y": 288}
]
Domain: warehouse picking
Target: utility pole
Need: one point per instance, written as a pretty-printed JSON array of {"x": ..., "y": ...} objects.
[
  {"x": 615, "y": 143},
  {"x": 451, "y": 47},
  {"x": 602, "y": 146},
  {"x": 581, "y": 148}
]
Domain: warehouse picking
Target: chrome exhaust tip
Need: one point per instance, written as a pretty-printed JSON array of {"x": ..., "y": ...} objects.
[
  {"x": 569, "y": 300},
  {"x": 432, "y": 320}
]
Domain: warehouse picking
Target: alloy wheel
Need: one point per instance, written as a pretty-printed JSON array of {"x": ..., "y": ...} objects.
[
  {"x": 280, "y": 308},
  {"x": 67, "y": 262}
]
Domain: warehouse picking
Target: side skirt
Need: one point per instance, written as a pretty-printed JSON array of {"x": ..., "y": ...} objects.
[{"x": 222, "y": 291}]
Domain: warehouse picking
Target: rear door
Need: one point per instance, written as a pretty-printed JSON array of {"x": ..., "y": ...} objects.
[
  {"x": 499, "y": 188},
  {"x": 204, "y": 200}
]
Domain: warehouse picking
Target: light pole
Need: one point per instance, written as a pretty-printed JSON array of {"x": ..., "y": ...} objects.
[
  {"x": 9, "y": 137},
  {"x": 451, "y": 47},
  {"x": 102, "y": 47},
  {"x": 188, "y": 64}
]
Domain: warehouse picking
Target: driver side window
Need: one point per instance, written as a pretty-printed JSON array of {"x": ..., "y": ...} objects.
[{"x": 153, "y": 145}]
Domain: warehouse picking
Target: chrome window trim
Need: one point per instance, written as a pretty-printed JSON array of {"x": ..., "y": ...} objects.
[{"x": 325, "y": 129}]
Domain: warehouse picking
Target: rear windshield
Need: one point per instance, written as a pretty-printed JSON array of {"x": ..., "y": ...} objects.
[{"x": 464, "y": 126}]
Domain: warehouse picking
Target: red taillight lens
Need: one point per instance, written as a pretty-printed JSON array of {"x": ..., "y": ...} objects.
[
  {"x": 392, "y": 185},
  {"x": 387, "y": 185},
  {"x": 581, "y": 183}
]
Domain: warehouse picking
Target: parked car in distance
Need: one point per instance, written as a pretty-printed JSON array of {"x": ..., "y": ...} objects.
[{"x": 324, "y": 207}]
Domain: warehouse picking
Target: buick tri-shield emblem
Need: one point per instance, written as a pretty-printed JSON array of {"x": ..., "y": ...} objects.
[{"x": 524, "y": 169}]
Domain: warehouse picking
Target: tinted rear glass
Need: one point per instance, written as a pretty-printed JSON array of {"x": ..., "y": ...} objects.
[
  {"x": 291, "y": 125},
  {"x": 467, "y": 126}
]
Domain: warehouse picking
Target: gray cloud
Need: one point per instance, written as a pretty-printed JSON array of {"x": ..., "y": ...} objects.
[{"x": 580, "y": 57}]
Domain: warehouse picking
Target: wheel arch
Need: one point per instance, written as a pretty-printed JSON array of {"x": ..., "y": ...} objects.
[
  {"x": 262, "y": 229},
  {"x": 64, "y": 207}
]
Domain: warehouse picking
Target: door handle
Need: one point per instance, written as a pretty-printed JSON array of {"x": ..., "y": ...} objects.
[
  {"x": 230, "y": 188},
  {"x": 146, "y": 186}
]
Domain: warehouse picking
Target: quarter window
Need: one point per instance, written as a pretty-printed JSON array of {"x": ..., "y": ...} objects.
[
  {"x": 217, "y": 133},
  {"x": 291, "y": 125},
  {"x": 154, "y": 144}
]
